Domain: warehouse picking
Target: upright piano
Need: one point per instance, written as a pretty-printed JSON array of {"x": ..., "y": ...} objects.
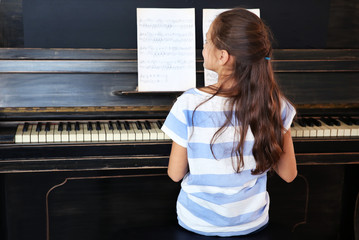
[{"x": 82, "y": 155}]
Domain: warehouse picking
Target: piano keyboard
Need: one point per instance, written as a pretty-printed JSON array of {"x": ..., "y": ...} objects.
[
  {"x": 110, "y": 131},
  {"x": 98, "y": 131},
  {"x": 325, "y": 127}
]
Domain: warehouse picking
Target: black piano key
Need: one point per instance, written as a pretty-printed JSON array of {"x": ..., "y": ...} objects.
[
  {"x": 147, "y": 125},
  {"x": 38, "y": 127},
  {"x": 77, "y": 126},
  {"x": 60, "y": 128},
  {"x": 353, "y": 121},
  {"x": 98, "y": 126},
  {"x": 68, "y": 127},
  {"x": 334, "y": 121},
  {"x": 346, "y": 121},
  {"x": 110, "y": 125},
  {"x": 315, "y": 122},
  {"x": 159, "y": 124},
  {"x": 89, "y": 126},
  {"x": 127, "y": 125},
  {"x": 308, "y": 122},
  {"x": 138, "y": 125},
  {"x": 118, "y": 125},
  {"x": 26, "y": 127},
  {"x": 47, "y": 127},
  {"x": 302, "y": 123},
  {"x": 327, "y": 121}
]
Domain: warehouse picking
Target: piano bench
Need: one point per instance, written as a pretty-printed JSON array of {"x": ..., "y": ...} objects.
[{"x": 176, "y": 232}]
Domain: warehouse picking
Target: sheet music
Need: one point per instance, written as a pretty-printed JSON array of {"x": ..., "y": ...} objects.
[
  {"x": 166, "y": 49},
  {"x": 209, "y": 15}
]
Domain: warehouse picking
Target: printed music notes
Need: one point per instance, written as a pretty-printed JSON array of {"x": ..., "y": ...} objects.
[{"x": 166, "y": 49}]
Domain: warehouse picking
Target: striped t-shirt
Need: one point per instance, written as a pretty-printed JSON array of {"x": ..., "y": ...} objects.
[{"x": 215, "y": 199}]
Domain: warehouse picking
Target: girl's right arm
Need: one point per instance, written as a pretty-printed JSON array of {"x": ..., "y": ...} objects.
[
  {"x": 178, "y": 163},
  {"x": 287, "y": 165}
]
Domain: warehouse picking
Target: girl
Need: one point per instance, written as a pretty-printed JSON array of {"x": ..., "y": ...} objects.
[{"x": 228, "y": 135}]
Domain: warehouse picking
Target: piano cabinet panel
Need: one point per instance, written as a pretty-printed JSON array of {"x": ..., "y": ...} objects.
[
  {"x": 101, "y": 204},
  {"x": 24, "y": 205}
]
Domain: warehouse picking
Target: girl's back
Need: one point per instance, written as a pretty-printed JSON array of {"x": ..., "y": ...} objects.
[{"x": 227, "y": 136}]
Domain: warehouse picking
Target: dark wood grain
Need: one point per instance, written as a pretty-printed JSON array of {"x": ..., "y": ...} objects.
[{"x": 93, "y": 77}]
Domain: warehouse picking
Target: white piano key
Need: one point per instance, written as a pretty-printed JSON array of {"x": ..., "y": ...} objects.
[
  {"x": 34, "y": 135},
  {"x": 317, "y": 131},
  {"x": 18, "y": 134},
  {"x": 153, "y": 133},
  {"x": 87, "y": 133},
  {"x": 50, "y": 134},
  {"x": 42, "y": 134},
  {"x": 94, "y": 133},
  {"x": 355, "y": 130},
  {"x": 26, "y": 135},
  {"x": 326, "y": 129},
  {"x": 333, "y": 131},
  {"x": 145, "y": 132},
  {"x": 312, "y": 131},
  {"x": 293, "y": 131},
  {"x": 160, "y": 133},
  {"x": 127, "y": 135},
  {"x": 109, "y": 133},
  {"x": 346, "y": 129},
  {"x": 64, "y": 135},
  {"x": 297, "y": 129},
  {"x": 57, "y": 134},
  {"x": 320, "y": 131},
  {"x": 131, "y": 134},
  {"x": 102, "y": 133},
  {"x": 117, "y": 135},
  {"x": 306, "y": 132},
  {"x": 165, "y": 135},
  {"x": 80, "y": 133},
  {"x": 340, "y": 130},
  {"x": 138, "y": 133},
  {"x": 72, "y": 133}
]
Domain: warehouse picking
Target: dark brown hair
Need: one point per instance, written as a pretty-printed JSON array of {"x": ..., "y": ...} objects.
[{"x": 254, "y": 97}]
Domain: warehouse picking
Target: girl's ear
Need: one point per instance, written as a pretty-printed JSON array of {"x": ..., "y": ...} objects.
[{"x": 224, "y": 57}]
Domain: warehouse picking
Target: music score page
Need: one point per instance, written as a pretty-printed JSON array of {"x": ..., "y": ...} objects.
[{"x": 166, "y": 49}]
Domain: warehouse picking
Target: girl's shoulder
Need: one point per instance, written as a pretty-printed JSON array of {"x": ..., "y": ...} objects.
[
  {"x": 195, "y": 96},
  {"x": 286, "y": 105},
  {"x": 288, "y": 112},
  {"x": 191, "y": 95}
]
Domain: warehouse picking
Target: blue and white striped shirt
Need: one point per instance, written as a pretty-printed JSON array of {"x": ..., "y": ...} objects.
[{"x": 215, "y": 200}]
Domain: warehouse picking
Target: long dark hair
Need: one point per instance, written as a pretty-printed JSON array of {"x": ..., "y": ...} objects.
[{"x": 254, "y": 98}]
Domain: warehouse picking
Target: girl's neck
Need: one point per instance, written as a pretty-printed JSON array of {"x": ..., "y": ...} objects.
[{"x": 224, "y": 83}]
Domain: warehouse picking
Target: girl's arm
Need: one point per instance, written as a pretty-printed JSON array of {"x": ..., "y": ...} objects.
[
  {"x": 178, "y": 163},
  {"x": 287, "y": 166}
]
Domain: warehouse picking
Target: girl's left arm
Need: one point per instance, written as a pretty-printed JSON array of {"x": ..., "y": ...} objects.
[
  {"x": 178, "y": 163},
  {"x": 287, "y": 165}
]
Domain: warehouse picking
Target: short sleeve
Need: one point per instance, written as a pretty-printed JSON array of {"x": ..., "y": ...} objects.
[
  {"x": 175, "y": 125},
  {"x": 288, "y": 113}
]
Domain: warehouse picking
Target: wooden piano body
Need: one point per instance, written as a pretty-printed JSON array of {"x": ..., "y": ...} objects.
[{"x": 115, "y": 189}]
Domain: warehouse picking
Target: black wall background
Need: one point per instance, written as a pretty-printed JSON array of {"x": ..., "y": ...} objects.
[{"x": 112, "y": 23}]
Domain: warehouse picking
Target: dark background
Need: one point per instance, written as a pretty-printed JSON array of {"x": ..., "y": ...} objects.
[{"x": 112, "y": 23}]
